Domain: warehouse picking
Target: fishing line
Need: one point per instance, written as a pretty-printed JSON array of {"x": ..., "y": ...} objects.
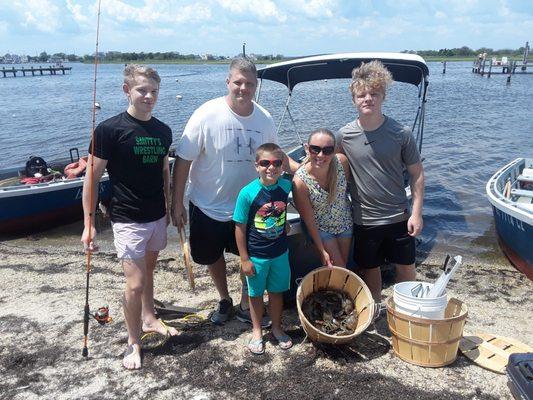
[{"x": 85, "y": 351}]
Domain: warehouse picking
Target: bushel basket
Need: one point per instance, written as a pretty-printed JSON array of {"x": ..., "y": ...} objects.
[
  {"x": 427, "y": 342},
  {"x": 342, "y": 279}
]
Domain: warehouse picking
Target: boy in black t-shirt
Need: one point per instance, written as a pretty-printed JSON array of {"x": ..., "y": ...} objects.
[{"x": 133, "y": 146}]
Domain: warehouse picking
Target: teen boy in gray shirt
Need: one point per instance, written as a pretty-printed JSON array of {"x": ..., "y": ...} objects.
[{"x": 378, "y": 148}]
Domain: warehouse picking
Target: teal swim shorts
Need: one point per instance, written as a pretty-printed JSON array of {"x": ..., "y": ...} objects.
[{"x": 272, "y": 274}]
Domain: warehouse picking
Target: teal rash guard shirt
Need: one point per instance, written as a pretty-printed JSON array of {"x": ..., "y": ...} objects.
[{"x": 264, "y": 211}]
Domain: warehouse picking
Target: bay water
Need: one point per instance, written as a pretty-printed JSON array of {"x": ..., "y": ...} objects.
[{"x": 474, "y": 126}]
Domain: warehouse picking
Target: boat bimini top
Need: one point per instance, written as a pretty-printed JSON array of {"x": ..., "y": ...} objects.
[{"x": 407, "y": 68}]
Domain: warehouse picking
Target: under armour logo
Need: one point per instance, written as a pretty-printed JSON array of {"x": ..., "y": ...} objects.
[{"x": 367, "y": 142}]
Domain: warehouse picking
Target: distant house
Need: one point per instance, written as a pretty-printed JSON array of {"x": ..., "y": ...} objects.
[
  {"x": 55, "y": 60},
  {"x": 206, "y": 57},
  {"x": 24, "y": 59},
  {"x": 8, "y": 59}
]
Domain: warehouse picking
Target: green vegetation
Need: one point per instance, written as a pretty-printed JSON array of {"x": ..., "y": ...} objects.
[
  {"x": 464, "y": 53},
  {"x": 173, "y": 57}
]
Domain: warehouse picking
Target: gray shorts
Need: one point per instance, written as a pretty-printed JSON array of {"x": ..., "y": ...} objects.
[{"x": 133, "y": 240}]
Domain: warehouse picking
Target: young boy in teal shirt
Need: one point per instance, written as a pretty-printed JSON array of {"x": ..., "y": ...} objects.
[{"x": 260, "y": 231}]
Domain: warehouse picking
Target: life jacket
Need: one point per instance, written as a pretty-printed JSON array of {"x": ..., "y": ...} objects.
[
  {"x": 31, "y": 180},
  {"x": 75, "y": 169},
  {"x": 36, "y": 165}
]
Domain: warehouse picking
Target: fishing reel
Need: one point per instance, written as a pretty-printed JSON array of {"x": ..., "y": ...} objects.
[{"x": 102, "y": 315}]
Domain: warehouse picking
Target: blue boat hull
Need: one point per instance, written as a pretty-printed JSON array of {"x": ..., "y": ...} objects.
[
  {"x": 32, "y": 212},
  {"x": 515, "y": 238}
]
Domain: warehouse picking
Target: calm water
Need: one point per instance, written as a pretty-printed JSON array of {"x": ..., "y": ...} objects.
[{"x": 474, "y": 125}]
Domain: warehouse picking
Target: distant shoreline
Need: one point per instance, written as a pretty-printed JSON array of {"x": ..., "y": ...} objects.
[
  {"x": 427, "y": 58},
  {"x": 225, "y": 62}
]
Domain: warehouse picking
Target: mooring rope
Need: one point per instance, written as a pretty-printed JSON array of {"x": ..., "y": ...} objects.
[{"x": 90, "y": 175}]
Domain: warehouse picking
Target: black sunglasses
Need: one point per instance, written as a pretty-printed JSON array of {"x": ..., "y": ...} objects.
[
  {"x": 268, "y": 163},
  {"x": 326, "y": 150}
]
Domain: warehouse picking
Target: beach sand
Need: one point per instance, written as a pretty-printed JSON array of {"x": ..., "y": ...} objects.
[{"x": 42, "y": 296}]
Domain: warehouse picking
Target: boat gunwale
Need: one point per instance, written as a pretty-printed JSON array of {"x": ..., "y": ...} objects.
[
  {"x": 499, "y": 201},
  {"x": 43, "y": 187}
]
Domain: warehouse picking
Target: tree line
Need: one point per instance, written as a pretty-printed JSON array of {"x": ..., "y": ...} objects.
[
  {"x": 466, "y": 51},
  {"x": 117, "y": 56}
]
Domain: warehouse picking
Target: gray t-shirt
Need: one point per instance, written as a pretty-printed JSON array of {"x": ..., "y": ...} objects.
[{"x": 377, "y": 160}]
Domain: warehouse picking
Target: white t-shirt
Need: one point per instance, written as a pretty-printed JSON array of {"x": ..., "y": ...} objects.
[{"x": 221, "y": 146}]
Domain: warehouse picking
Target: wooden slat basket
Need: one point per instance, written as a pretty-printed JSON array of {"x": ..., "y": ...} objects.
[
  {"x": 342, "y": 279},
  {"x": 427, "y": 342}
]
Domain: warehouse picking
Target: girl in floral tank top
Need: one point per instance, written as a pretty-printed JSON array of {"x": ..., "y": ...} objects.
[{"x": 320, "y": 194}]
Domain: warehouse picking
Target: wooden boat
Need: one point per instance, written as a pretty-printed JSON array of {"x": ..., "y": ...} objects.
[
  {"x": 510, "y": 192},
  {"x": 405, "y": 68},
  {"x": 33, "y": 207}
]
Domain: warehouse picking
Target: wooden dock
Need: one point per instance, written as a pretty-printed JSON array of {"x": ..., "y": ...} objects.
[
  {"x": 50, "y": 70},
  {"x": 484, "y": 66}
]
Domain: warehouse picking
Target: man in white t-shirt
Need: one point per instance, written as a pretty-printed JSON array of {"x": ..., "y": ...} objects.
[{"x": 216, "y": 156}]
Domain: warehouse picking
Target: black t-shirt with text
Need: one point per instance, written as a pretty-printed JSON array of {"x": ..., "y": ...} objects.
[{"x": 134, "y": 151}]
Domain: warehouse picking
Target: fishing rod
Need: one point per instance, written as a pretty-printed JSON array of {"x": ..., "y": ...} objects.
[{"x": 85, "y": 351}]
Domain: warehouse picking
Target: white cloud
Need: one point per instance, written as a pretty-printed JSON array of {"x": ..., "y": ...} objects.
[
  {"x": 41, "y": 14},
  {"x": 4, "y": 26},
  {"x": 157, "y": 11},
  {"x": 77, "y": 14},
  {"x": 262, "y": 9},
  {"x": 440, "y": 15},
  {"x": 314, "y": 8}
]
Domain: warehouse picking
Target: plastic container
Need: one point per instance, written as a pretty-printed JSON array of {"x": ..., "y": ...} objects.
[
  {"x": 520, "y": 373},
  {"x": 420, "y": 307}
]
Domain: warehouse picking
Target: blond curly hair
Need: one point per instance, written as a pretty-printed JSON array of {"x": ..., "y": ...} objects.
[{"x": 373, "y": 75}]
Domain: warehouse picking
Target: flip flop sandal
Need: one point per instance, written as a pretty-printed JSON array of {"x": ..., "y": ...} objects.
[
  {"x": 153, "y": 340},
  {"x": 256, "y": 346},
  {"x": 284, "y": 341}
]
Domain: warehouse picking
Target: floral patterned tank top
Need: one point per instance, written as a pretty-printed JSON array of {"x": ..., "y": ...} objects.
[{"x": 332, "y": 218}]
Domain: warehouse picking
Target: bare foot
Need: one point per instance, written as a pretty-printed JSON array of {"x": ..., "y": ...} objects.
[
  {"x": 159, "y": 327},
  {"x": 132, "y": 357}
]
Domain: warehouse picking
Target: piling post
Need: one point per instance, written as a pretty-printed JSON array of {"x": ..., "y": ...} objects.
[
  {"x": 4, "y": 71},
  {"x": 14, "y": 72},
  {"x": 41, "y": 69},
  {"x": 32, "y": 71},
  {"x": 490, "y": 68},
  {"x": 23, "y": 72},
  {"x": 444, "y": 67},
  {"x": 483, "y": 67},
  {"x": 524, "y": 59},
  {"x": 509, "y": 72}
]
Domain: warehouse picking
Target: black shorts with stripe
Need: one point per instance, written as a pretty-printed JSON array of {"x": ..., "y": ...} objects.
[{"x": 376, "y": 244}]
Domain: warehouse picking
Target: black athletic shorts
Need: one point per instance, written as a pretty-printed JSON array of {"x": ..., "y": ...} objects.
[
  {"x": 375, "y": 244},
  {"x": 209, "y": 238}
]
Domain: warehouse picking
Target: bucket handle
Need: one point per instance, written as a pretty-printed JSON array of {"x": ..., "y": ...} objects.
[{"x": 298, "y": 281}]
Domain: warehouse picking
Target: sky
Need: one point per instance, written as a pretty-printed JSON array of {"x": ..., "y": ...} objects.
[{"x": 288, "y": 27}]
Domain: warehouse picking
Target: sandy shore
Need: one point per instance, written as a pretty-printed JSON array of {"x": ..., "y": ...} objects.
[{"x": 42, "y": 296}]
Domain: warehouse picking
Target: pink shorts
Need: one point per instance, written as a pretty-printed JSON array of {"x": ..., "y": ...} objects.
[{"x": 133, "y": 240}]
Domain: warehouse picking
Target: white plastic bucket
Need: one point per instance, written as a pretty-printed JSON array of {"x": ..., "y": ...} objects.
[{"x": 406, "y": 303}]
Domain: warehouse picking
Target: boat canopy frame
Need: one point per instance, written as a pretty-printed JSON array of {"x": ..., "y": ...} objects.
[{"x": 406, "y": 68}]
